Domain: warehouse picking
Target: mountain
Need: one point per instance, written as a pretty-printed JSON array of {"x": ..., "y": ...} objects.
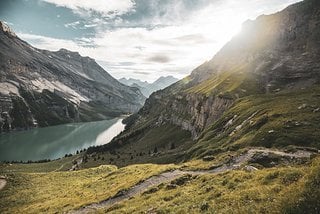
[
  {"x": 163, "y": 82},
  {"x": 260, "y": 89},
  {"x": 239, "y": 135},
  {"x": 148, "y": 88},
  {"x": 42, "y": 88},
  {"x": 131, "y": 81}
]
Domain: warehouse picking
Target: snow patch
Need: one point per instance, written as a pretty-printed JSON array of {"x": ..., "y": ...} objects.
[
  {"x": 65, "y": 91},
  {"x": 6, "y": 88}
]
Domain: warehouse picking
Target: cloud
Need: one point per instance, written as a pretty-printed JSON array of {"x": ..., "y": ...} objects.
[
  {"x": 157, "y": 38},
  {"x": 108, "y": 8},
  {"x": 72, "y": 24},
  {"x": 90, "y": 25},
  {"x": 142, "y": 72},
  {"x": 49, "y": 43},
  {"x": 192, "y": 39},
  {"x": 160, "y": 58}
]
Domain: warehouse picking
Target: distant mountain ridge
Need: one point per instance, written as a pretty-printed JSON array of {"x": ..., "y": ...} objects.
[
  {"x": 148, "y": 88},
  {"x": 131, "y": 81},
  {"x": 42, "y": 88}
]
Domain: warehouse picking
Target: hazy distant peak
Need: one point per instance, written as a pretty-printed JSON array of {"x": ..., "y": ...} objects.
[
  {"x": 166, "y": 78},
  {"x": 148, "y": 88},
  {"x": 131, "y": 80}
]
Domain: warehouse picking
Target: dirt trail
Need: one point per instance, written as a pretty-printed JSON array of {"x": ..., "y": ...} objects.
[
  {"x": 78, "y": 162},
  {"x": 58, "y": 169},
  {"x": 165, "y": 177},
  {"x": 3, "y": 183}
]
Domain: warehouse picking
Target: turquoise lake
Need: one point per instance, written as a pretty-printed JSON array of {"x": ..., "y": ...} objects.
[{"x": 55, "y": 141}]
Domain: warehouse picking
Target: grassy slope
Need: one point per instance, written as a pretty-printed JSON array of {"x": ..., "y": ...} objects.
[
  {"x": 140, "y": 148},
  {"x": 227, "y": 83},
  {"x": 61, "y": 191},
  {"x": 274, "y": 190},
  {"x": 56, "y": 165},
  {"x": 290, "y": 189}
]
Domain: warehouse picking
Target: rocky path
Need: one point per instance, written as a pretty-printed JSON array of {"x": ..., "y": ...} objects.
[
  {"x": 164, "y": 177},
  {"x": 137, "y": 189},
  {"x": 3, "y": 183}
]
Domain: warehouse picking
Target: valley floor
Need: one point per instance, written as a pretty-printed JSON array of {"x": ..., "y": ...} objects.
[{"x": 244, "y": 182}]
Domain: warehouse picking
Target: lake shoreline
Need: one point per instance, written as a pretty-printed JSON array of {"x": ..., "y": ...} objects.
[
  {"x": 40, "y": 127},
  {"x": 55, "y": 142}
]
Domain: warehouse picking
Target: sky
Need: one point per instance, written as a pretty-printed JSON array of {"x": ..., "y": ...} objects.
[{"x": 142, "y": 39}]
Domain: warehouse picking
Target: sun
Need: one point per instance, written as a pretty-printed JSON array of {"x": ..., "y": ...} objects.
[{"x": 225, "y": 27}]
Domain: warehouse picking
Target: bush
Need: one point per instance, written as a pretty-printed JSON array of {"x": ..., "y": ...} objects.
[{"x": 204, "y": 206}]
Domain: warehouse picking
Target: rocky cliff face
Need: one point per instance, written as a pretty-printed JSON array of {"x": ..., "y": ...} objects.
[
  {"x": 41, "y": 88},
  {"x": 192, "y": 112},
  {"x": 273, "y": 54}
]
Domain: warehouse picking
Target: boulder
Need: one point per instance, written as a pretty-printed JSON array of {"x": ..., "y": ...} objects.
[
  {"x": 208, "y": 158},
  {"x": 249, "y": 168}
]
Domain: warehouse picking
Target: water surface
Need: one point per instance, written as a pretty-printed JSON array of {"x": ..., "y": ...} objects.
[{"x": 56, "y": 141}]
